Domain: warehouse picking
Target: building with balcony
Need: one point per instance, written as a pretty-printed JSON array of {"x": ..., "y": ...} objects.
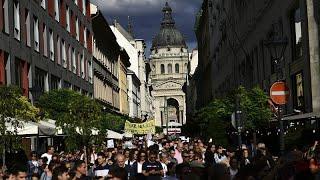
[{"x": 45, "y": 45}]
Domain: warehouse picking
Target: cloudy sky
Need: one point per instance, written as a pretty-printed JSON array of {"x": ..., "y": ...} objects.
[{"x": 146, "y": 16}]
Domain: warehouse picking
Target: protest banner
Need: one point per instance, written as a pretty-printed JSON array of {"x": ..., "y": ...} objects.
[{"x": 140, "y": 128}]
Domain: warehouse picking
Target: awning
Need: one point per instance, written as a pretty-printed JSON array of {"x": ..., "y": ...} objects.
[
  {"x": 312, "y": 115},
  {"x": 114, "y": 135},
  {"x": 32, "y": 128}
]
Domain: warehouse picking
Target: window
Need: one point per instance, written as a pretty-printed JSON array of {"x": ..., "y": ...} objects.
[
  {"x": 90, "y": 71},
  {"x": 56, "y": 10},
  {"x": 28, "y": 31},
  {"x": 162, "y": 69},
  {"x": 16, "y": 18},
  {"x": 55, "y": 82},
  {"x": 41, "y": 82},
  {"x": 45, "y": 40},
  {"x": 169, "y": 68},
  {"x": 297, "y": 34},
  {"x": 68, "y": 19},
  {"x": 77, "y": 28},
  {"x": 69, "y": 58},
  {"x": 58, "y": 50},
  {"x": 85, "y": 37},
  {"x": 66, "y": 85},
  {"x": 64, "y": 54},
  {"x": 177, "y": 68},
  {"x": 298, "y": 90},
  {"x": 36, "y": 33},
  {"x": 51, "y": 44},
  {"x": 18, "y": 72},
  {"x": 6, "y": 16},
  {"x": 74, "y": 66},
  {"x": 82, "y": 66},
  {"x": 43, "y": 4},
  {"x": 84, "y": 7}
]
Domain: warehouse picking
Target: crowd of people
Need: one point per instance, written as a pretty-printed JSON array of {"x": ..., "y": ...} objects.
[{"x": 168, "y": 160}]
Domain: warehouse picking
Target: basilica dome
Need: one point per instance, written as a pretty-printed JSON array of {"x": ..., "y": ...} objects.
[{"x": 168, "y": 36}]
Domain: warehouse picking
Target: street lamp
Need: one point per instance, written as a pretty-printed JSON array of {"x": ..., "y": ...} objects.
[{"x": 277, "y": 46}]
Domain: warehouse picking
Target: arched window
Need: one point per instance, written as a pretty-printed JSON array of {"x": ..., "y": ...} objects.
[
  {"x": 177, "y": 68},
  {"x": 162, "y": 68},
  {"x": 169, "y": 68}
]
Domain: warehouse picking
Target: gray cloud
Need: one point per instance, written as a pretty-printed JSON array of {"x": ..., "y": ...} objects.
[{"x": 146, "y": 16}]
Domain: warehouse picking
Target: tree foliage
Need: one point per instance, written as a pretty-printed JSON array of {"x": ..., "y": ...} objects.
[
  {"x": 214, "y": 118},
  {"x": 80, "y": 117},
  {"x": 15, "y": 110}
]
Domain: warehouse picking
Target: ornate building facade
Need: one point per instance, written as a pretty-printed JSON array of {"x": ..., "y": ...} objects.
[{"x": 169, "y": 68}]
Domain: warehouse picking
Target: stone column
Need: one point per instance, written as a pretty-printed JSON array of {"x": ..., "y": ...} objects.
[{"x": 313, "y": 32}]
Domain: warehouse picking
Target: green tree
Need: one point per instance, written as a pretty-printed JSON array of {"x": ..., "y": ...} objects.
[
  {"x": 213, "y": 119},
  {"x": 82, "y": 123},
  {"x": 55, "y": 104},
  {"x": 77, "y": 115},
  {"x": 15, "y": 110},
  {"x": 112, "y": 122}
]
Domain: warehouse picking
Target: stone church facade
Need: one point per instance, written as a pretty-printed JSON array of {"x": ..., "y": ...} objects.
[{"x": 169, "y": 68}]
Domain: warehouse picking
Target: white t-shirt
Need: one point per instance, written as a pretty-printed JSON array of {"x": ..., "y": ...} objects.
[
  {"x": 49, "y": 156},
  {"x": 165, "y": 169},
  {"x": 139, "y": 167}
]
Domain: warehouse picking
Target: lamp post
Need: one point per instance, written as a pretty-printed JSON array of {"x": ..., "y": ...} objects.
[{"x": 277, "y": 46}]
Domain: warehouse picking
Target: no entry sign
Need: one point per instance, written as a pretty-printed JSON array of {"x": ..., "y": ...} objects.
[{"x": 279, "y": 93}]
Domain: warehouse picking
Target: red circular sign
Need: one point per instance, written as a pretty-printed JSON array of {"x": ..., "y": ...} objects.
[{"x": 279, "y": 93}]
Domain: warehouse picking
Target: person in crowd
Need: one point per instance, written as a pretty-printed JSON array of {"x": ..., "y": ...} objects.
[
  {"x": 245, "y": 159},
  {"x": 184, "y": 169},
  {"x": 131, "y": 158},
  {"x": 191, "y": 154},
  {"x": 152, "y": 169},
  {"x": 60, "y": 173},
  {"x": 218, "y": 171},
  {"x": 47, "y": 173},
  {"x": 178, "y": 152},
  {"x": 126, "y": 154},
  {"x": 33, "y": 165},
  {"x": 120, "y": 163},
  {"x": 234, "y": 168},
  {"x": 198, "y": 167},
  {"x": 49, "y": 154},
  {"x": 219, "y": 156},
  {"x": 118, "y": 174},
  {"x": 136, "y": 169},
  {"x": 102, "y": 169},
  {"x": 164, "y": 161},
  {"x": 171, "y": 156},
  {"x": 80, "y": 170},
  {"x": 17, "y": 172},
  {"x": 209, "y": 155}
]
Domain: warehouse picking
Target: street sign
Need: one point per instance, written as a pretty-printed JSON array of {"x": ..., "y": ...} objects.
[{"x": 279, "y": 93}]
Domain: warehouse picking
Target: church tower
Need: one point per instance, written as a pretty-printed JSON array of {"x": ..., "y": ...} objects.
[{"x": 168, "y": 62}]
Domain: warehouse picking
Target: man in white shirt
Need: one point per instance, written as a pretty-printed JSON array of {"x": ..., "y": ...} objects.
[{"x": 49, "y": 153}]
